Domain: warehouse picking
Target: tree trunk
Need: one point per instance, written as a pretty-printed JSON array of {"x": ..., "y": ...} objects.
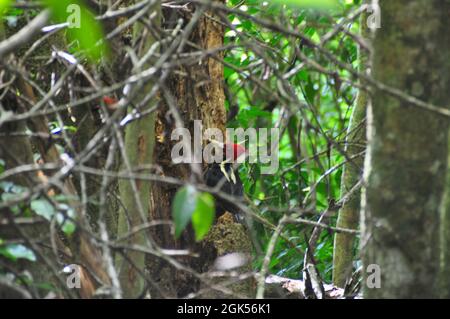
[
  {"x": 135, "y": 194},
  {"x": 407, "y": 154},
  {"x": 445, "y": 239},
  {"x": 195, "y": 92},
  {"x": 344, "y": 243}
]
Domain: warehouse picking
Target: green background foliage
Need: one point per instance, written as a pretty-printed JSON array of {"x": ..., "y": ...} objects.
[
  {"x": 328, "y": 103},
  {"x": 309, "y": 173}
]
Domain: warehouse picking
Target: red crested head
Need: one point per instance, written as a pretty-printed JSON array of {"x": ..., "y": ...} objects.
[
  {"x": 108, "y": 100},
  {"x": 234, "y": 150},
  {"x": 231, "y": 152}
]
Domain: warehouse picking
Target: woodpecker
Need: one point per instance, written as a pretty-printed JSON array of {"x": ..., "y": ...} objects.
[
  {"x": 109, "y": 101},
  {"x": 223, "y": 173}
]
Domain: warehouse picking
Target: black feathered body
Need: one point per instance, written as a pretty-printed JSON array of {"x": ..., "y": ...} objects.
[{"x": 213, "y": 176}]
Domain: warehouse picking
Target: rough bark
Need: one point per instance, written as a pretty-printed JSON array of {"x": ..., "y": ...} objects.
[
  {"x": 445, "y": 239},
  {"x": 228, "y": 237},
  {"x": 135, "y": 194},
  {"x": 88, "y": 120},
  {"x": 348, "y": 216},
  {"x": 198, "y": 94},
  {"x": 407, "y": 155}
]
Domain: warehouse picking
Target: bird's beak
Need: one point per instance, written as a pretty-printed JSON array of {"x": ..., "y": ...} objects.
[
  {"x": 220, "y": 144},
  {"x": 225, "y": 173}
]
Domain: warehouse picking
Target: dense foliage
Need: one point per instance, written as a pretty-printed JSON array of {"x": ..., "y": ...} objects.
[{"x": 275, "y": 76}]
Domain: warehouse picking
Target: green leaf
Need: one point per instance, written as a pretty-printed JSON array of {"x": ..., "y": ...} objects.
[
  {"x": 203, "y": 216},
  {"x": 17, "y": 251},
  {"x": 190, "y": 204},
  {"x": 255, "y": 112},
  {"x": 10, "y": 187},
  {"x": 2, "y": 166},
  {"x": 227, "y": 72},
  {"x": 184, "y": 205},
  {"x": 4, "y": 4},
  {"x": 43, "y": 208},
  {"x": 68, "y": 227},
  {"x": 83, "y": 28},
  {"x": 11, "y": 193}
]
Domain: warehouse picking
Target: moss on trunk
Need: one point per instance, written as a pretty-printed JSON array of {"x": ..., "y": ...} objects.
[{"x": 407, "y": 155}]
